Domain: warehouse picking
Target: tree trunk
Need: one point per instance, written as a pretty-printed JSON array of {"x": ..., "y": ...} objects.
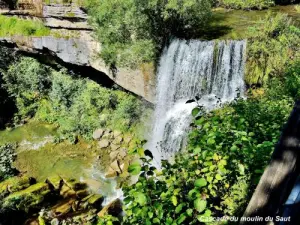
[{"x": 279, "y": 177}]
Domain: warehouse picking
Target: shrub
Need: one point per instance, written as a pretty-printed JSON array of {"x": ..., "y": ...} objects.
[
  {"x": 7, "y": 157},
  {"x": 273, "y": 46}
]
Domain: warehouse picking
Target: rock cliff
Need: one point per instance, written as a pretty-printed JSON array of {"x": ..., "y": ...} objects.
[{"x": 72, "y": 42}]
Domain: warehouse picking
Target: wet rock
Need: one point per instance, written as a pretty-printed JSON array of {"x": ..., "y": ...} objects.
[
  {"x": 97, "y": 135},
  {"x": 67, "y": 192},
  {"x": 28, "y": 198},
  {"x": 55, "y": 182},
  {"x": 104, "y": 143},
  {"x": 62, "y": 208},
  {"x": 15, "y": 184},
  {"x": 114, "y": 208}
]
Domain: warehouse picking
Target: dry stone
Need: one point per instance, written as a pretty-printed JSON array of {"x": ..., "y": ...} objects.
[
  {"x": 97, "y": 135},
  {"x": 104, "y": 143}
]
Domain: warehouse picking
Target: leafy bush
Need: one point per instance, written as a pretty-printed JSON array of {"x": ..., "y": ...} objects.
[
  {"x": 7, "y": 157},
  {"x": 78, "y": 106},
  {"x": 27, "y": 81},
  {"x": 133, "y": 32},
  {"x": 10, "y": 26},
  {"x": 247, "y": 4},
  {"x": 273, "y": 45}
]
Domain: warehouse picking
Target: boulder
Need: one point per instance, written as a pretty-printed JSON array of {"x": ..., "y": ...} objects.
[
  {"x": 115, "y": 166},
  {"x": 28, "y": 198},
  {"x": 107, "y": 135},
  {"x": 113, "y": 155},
  {"x": 113, "y": 208},
  {"x": 15, "y": 184},
  {"x": 127, "y": 139},
  {"x": 117, "y": 133},
  {"x": 118, "y": 140},
  {"x": 110, "y": 173},
  {"x": 97, "y": 135},
  {"x": 114, "y": 147},
  {"x": 104, "y": 143},
  {"x": 55, "y": 182},
  {"x": 122, "y": 153},
  {"x": 67, "y": 192}
]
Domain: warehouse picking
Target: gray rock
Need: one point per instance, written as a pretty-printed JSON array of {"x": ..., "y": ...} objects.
[
  {"x": 104, "y": 143},
  {"x": 98, "y": 134},
  {"x": 113, "y": 155},
  {"x": 117, "y": 133},
  {"x": 114, "y": 147},
  {"x": 118, "y": 140}
]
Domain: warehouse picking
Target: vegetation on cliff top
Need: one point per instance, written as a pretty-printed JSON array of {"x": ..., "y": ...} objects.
[{"x": 10, "y": 26}]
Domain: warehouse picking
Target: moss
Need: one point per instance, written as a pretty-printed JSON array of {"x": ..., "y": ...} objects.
[
  {"x": 14, "y": 184},
  {"x": 27, "y": 199}
]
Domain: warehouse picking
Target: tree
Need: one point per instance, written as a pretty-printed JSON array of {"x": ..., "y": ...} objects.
[{"x": 133, "y": 31}]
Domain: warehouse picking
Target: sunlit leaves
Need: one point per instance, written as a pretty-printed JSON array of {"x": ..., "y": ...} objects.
[{"x": 200, "y": 204}]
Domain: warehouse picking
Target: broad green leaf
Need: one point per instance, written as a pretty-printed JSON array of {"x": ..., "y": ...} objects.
[
  {"x": 219, "y": 177},
  {"x": 179, "y": 208},
  {"x": 140, "y": 198},
  {"x": 200, "y": 182},
  {"x": 195, "y": 111},
  {"x": 200, "y": 204},
  {"x": 134, "y": 168},
  {"x": 211, "y": 141}
]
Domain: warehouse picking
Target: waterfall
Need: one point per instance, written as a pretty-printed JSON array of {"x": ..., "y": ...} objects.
[{"x": 208, "y": 69}]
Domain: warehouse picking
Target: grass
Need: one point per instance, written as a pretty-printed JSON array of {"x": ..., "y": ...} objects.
[{"x": 11, "y": 26}]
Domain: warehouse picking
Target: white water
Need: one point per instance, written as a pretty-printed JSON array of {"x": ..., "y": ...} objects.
[{"x": 211, "y": 70}]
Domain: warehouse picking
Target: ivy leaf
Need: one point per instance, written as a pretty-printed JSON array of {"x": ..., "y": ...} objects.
[
  {"x": 140, "y": 198},
  {"x": 195, "y": 111},
  {"x": 179, "y": 208},
  {"x": 200, "y": 182},
  {"x": 200, "y": 204},
  {"x": 211, "y": 141},
  {"x": 134, "y": 168},
  {"x": 174, "y": 200},
  {"x": 218, "y": 177},
  {"x": 181, "y": 218}
]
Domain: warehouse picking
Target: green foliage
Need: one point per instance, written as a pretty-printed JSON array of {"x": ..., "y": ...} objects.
[
  {"x": 247, "y": 4},
  {"x": 78, "y": 106},
  {"x": 7, "y": 157},
  {"x": 227, "y": 152},
  {"x": 27, "y": 82},
  {"x": 10, "y": 26},
  {"x": 133, "y": 32},
  {"x": 273, "y": 45}
]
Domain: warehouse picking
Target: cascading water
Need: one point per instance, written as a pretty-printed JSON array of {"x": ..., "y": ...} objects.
[{"x": 210, "y": 70}]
